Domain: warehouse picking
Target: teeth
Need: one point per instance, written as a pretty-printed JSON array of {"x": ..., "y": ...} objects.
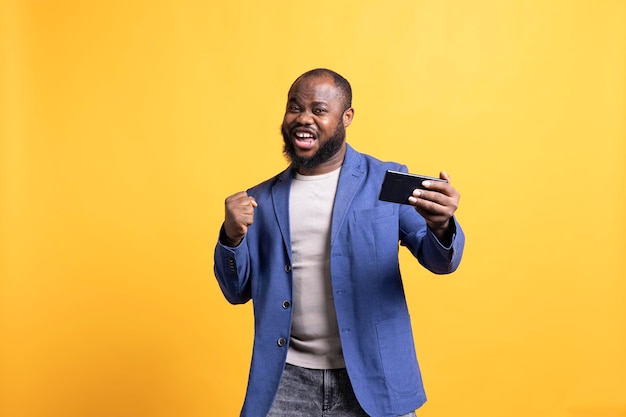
[{"x": 304, "y": 135}]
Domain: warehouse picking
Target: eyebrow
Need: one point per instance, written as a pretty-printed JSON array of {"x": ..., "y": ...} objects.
[{"x": 315, "y": 103}]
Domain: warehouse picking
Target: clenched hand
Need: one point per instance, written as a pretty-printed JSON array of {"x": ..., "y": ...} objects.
[{"x": 239, "y": 216}]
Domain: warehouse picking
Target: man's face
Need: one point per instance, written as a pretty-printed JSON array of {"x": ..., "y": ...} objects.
[{"x": 314, "y": 124}]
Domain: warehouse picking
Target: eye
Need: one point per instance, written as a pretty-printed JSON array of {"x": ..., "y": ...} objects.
[
  {"x": 320, "y": 110},
  {"x": 293, "y": 108}
]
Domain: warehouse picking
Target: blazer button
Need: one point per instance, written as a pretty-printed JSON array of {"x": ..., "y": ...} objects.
[
  {"x": 282, "y": 342},
  {"x": 288, "y": 268},
  {"x": 286, "y": 304}
]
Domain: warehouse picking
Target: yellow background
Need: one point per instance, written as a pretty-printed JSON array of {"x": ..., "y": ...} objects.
[{"x": 125, "y": 124}]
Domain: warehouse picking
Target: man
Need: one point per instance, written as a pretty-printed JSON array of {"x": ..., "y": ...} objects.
[{"x": 317, "y": 252}]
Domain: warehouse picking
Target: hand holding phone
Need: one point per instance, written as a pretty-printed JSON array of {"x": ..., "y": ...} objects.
[{"x": 398, "y": 186}]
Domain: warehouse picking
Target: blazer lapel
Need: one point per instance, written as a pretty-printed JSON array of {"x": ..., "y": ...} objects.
[
  {"x": 350, "y": 178},
  {"x": 280, "y": 200}
]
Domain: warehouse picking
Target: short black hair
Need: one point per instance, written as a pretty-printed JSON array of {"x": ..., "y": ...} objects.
[{"x": 340, "y": 82}]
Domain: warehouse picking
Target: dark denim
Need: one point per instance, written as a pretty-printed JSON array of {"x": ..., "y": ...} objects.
[{"x": 316, "y": 393}]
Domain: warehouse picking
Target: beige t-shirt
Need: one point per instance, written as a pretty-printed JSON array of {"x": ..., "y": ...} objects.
[{"x": 315, "y": 339}]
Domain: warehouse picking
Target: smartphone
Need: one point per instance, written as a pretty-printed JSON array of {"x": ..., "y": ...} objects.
[{"x": 397, "y": 186}]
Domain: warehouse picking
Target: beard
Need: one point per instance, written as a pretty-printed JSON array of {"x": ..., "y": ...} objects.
[{"x": 326, "y": 151}]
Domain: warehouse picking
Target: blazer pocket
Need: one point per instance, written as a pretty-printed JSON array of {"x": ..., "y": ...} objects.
[
  {"x": 397, "y": 352},
  {"x": 374, "y": 214}
]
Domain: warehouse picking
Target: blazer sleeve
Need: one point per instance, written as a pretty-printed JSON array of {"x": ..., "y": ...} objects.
[
  {"x": 232, "y": 270},
  {"x": 425, "y": 246}
]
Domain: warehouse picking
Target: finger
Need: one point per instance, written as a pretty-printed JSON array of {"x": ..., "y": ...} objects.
[
  {"x": 236, "y": 198},
  {"x": 241, "y": 200},
  {"x": 432, "y": 202},
  {"x": 247, "y": 220},
  {"x": 244, "y": 201},
  {"x": 429, "y": 206},
  {"x": 436, "y": 196},
  {"x": 445, "y": 176},
  {"x": 441, "y": 187}
]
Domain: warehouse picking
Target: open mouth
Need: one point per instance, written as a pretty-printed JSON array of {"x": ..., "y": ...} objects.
[{"x": 304, "y": 140}]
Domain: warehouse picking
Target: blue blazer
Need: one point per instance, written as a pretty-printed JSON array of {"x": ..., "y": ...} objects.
[{"x": 372, "y": 314}]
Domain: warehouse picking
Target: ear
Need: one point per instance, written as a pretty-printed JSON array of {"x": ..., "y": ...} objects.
[{"x": 347, "y": 117}]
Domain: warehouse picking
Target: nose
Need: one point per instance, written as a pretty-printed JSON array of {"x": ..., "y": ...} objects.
[{"x": 305, "y": 118}]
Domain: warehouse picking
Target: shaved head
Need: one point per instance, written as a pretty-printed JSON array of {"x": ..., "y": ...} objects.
[{"x": 340, "y": 82}]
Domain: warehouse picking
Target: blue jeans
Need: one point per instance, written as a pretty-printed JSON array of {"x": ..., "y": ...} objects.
[{"x": 316, "y": 393}]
